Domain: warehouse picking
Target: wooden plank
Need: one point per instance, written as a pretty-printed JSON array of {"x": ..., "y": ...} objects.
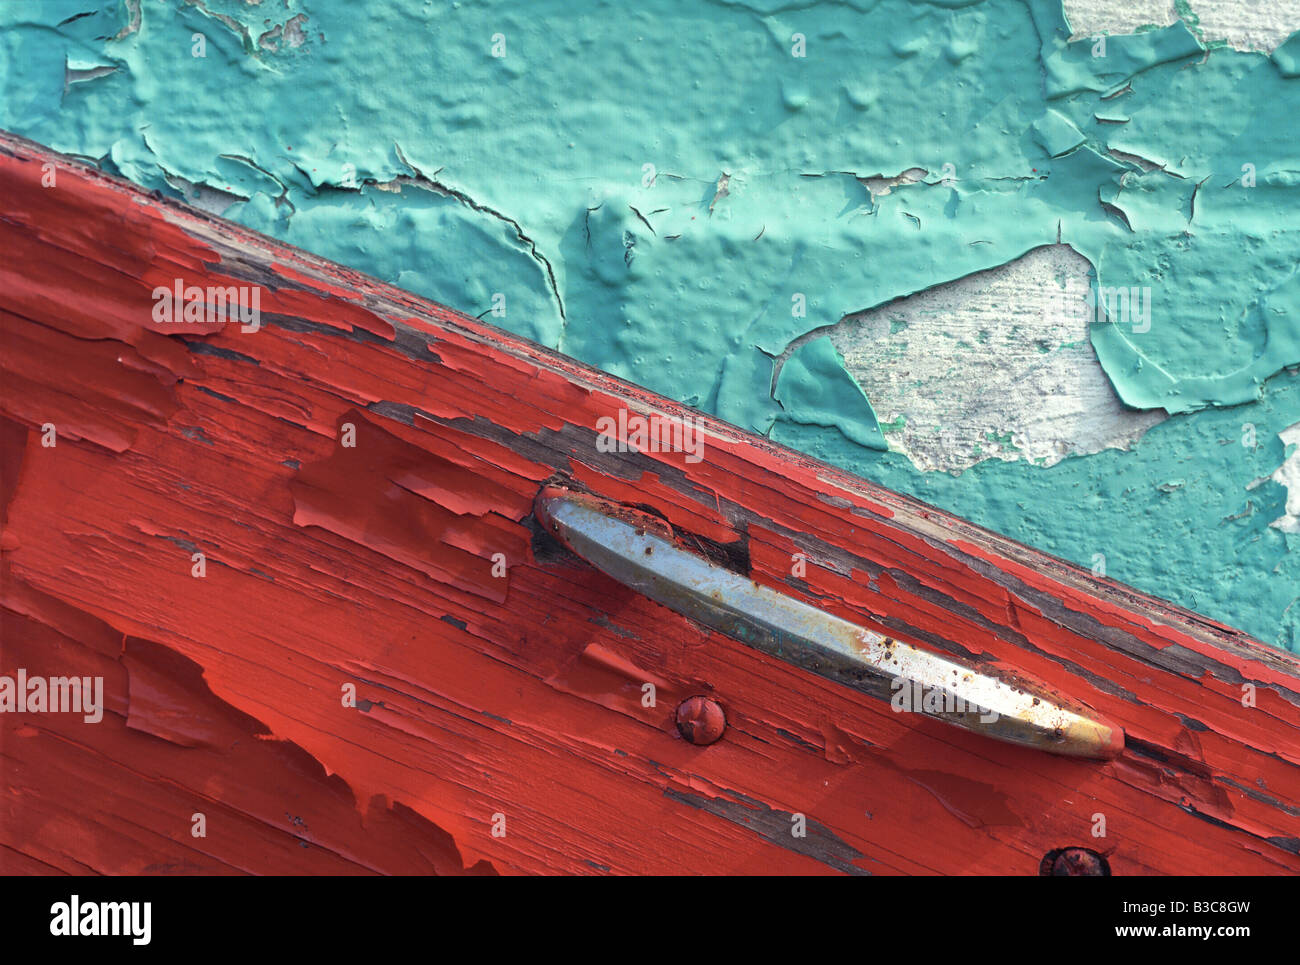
[{"x": 512, "y": 702}]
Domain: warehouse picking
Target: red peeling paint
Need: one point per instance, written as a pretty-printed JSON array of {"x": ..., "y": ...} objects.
[
  {"x": 501, "y": 720},
  {"x": 327, "y": 309}
]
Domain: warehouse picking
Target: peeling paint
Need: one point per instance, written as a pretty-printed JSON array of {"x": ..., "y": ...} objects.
[
  {"x": 995, "y": 366},
  {"x": 529, "y": 706},
  {"x": 1243, "y": 24},
  {"x": 592, "y": 220},
  {"x": 1288, "y": 475}
]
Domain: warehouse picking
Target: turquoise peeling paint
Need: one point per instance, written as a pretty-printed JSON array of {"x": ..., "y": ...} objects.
[
  {"x": 588, "y": 165},
  {"x": 815, "y": 389}
]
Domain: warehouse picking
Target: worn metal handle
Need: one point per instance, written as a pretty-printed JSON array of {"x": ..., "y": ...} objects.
[{"x": 639, "y": 551}]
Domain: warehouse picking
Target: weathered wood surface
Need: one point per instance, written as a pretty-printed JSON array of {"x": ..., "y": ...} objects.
[{"x": 518, "y": 696}]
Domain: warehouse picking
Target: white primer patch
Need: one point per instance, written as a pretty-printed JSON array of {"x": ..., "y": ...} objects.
[
  {"x": 1245, "y": 24},
  {"x": 994, "y": 365},
  {"x": 1288, "y": 475}
]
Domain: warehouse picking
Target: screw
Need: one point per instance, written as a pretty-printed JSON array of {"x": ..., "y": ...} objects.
[
  {"x": 700, "y": 720},
  {"x": 1074, "y": 862}
]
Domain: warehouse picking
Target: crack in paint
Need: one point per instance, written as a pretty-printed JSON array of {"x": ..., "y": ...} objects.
[{"x": 431, "y": 184}]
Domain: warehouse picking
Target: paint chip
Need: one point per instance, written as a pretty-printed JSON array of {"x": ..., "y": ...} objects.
[{"x": 994, "y": 365}]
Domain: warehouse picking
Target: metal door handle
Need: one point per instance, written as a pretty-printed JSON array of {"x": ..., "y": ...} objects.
[{"x": 639, "y": 551}]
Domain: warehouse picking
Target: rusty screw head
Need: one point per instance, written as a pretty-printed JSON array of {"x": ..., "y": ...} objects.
[
  {"x": 701, "y": 720},
  {"x": 1074, "y": 862}
]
